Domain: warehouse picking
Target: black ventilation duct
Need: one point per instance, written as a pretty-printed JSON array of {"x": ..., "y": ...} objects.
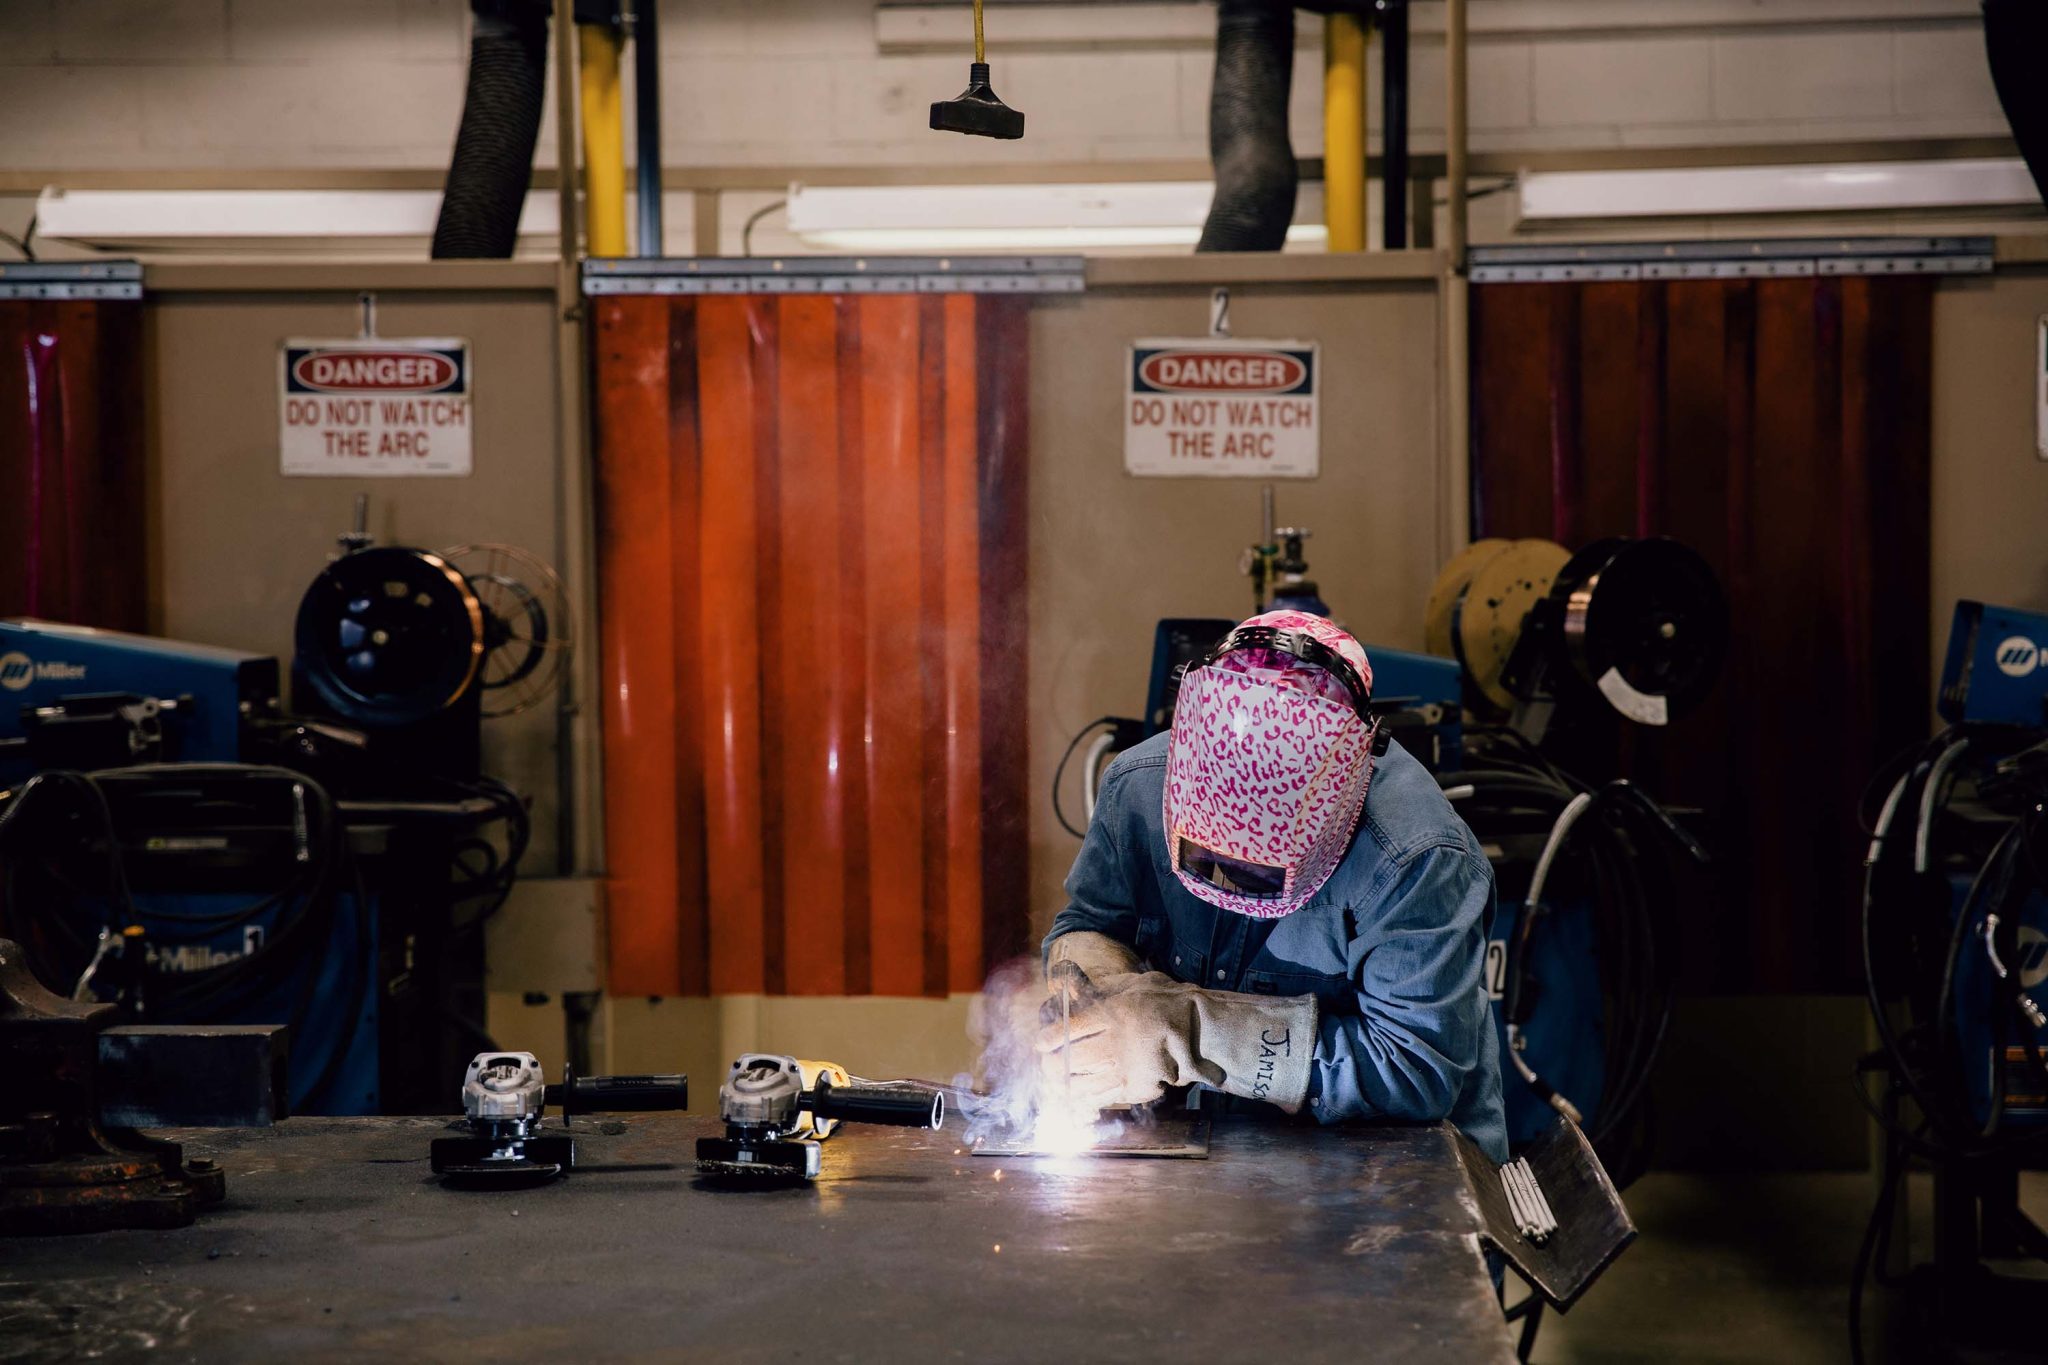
[
  {"x": 493, "y": 164},
  {"x": 2016, "y": 39},
  {"x": 1255, "y": 170}
]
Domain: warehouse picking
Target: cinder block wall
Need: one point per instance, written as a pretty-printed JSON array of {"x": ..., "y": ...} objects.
[{"x": 242, "y": 84}]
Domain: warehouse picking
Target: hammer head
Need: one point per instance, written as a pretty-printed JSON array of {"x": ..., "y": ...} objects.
[{"x": 977, "y": 111}]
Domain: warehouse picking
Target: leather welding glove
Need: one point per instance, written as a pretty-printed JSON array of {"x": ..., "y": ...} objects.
[
  {"x": 1141, "y": 1033},
  {"x": 1099, "y": 957}
]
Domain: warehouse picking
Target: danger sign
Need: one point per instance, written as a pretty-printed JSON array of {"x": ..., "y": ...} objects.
[
  {"x": 375, "y": 406},
  {"x": 1219, "y": 407}
]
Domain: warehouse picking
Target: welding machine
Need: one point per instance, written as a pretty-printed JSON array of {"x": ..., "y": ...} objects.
[
  {"x": 1955, "y": 947},
  {"x": 178, "y": 842},
  {"x": 1996, "y": 671},
  {"x": 74, "y": 697}
]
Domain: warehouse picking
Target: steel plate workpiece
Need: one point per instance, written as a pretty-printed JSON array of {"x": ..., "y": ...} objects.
[{"x": 336, "y": 1242}]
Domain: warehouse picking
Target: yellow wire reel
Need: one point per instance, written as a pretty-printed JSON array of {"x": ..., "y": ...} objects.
[{"x": 1475, "y": 610}]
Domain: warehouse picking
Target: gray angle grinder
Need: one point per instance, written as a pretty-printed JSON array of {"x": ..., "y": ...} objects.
[
  {"x": 504, "y": 1098},
  {"x": 774, "y": 1123}
]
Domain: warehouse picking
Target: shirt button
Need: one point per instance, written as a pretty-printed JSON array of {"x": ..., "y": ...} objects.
[
  {"x": 1316, "y": 1103},
  {"x": 1219, "y": 973},
  {"x": 1176, "y": 959}
]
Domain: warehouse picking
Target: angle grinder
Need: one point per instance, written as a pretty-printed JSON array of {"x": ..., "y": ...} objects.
[
  {"x": 774, "y": 1121},
  {"x": 504, "y": 1098}
]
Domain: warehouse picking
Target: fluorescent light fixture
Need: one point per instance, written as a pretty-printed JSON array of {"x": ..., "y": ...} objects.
[
  {"x": 1715, "y": 190},
  {"x": 1007, "y": 217},
  {"x": 239, "y": 219}
]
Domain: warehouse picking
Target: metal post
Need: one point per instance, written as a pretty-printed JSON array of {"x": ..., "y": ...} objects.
[
  {"x": 1454, "y": 133},
  {"x": 647, "y": 123},
  {"x": 1455, "y": 526},
  {"x": 1393, "y": 18},
  {"x": 1344, "y": 131}
]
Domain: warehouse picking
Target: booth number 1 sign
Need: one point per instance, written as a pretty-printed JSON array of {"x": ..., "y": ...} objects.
[
  {"x": 375, "y": 406},
  {"x": 1222, "y": 407}
]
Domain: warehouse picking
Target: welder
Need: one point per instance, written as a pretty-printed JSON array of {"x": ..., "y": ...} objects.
[{"x": 1273, "y": 902}]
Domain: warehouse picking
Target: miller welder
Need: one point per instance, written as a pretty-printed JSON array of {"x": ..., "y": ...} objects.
[
  {"x": 172, "y": 838},
  {"x": 1955, "y": 948}
]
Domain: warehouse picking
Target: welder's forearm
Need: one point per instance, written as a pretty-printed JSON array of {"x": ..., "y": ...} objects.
[{"x": 1371, "y": 1068}]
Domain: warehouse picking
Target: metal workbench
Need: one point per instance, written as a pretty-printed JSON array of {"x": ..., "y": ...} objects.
[{"x": 335, "y": 1242}]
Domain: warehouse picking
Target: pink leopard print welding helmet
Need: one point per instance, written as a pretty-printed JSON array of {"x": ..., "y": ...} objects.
[{"x": 1267, "y": 771}]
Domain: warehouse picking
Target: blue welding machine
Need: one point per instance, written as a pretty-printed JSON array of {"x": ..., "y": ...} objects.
[
  {"x": 77, "y": 699},
  {"x": 74, "y": 697},
  {"x": 1996, "y": 672}
]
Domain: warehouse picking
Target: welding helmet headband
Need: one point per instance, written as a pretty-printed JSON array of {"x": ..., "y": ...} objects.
[{"x": 1269, "y": 763}]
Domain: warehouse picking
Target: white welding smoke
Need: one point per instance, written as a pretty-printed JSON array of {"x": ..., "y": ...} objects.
[{"x": 1017, "y": 1095}]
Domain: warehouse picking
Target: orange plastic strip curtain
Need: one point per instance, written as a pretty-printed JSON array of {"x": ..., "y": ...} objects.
[{"x": 811, "y": 546}]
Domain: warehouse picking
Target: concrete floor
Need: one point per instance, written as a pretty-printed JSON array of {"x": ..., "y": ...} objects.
[{"x": 1743, "y": 1268}]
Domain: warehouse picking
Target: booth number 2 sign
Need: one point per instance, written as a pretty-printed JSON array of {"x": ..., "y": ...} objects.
[
  {"x": 1222, "y": 407},
  {"x": 375, "y": 406}
]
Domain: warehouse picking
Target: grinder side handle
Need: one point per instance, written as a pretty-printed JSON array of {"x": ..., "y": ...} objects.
[{"x": 901, "y": 1107}]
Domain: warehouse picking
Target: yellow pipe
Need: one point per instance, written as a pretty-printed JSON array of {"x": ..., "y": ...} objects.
[
  {"x": 604, "y": 139},
  {"x": 1344, "y": 131}
]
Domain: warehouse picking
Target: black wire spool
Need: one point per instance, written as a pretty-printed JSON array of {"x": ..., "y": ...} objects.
[
  {"x": 1644, "y": 623},
  {"x": 389, "y": 636}
]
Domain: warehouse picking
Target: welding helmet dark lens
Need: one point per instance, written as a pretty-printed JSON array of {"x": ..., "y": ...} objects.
[{"x": 1259, "y": 880}]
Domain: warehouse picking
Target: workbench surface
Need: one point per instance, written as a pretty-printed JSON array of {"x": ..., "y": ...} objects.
[{"x": 335, "y": 1241}]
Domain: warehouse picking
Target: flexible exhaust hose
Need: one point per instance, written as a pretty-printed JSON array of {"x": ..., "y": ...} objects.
[
  {"x": 493, "y": 163},
  {"x": 1254, "y": 161},
  {"x": 2014, "y": 31}
]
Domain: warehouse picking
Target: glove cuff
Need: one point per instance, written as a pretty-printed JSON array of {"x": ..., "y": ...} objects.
[
  {"x": 1099, "y": 955},
  {"x": 1278, "y": 1052}
]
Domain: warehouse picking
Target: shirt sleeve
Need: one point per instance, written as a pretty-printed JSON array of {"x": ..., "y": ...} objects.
[
  {"x": 1099, "y": 887},
  {"x": 1417, "y": 964}
]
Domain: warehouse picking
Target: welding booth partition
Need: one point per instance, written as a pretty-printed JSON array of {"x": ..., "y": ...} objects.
[
  {"x": 811, "y": 539},
  {"x": 72, "y": 467},
  {"x": 1779, "y": 426}
]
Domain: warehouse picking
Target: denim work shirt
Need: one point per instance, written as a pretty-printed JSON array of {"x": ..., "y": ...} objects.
[{"x": 1393, "y": 946}]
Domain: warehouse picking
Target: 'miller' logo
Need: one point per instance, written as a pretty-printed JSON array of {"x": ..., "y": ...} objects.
[
  {"x": 2017, "y": 656},
  {"x": 17, "y": 670}
]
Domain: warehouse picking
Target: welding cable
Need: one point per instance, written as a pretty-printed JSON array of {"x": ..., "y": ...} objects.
[
  {"x": 359, "y": 990},
  {"x": 1873, "y": 865},
  {"x": 1532, "y": 906},
  {"x": 1605, "y": 858},
  {"x": 1091, "y": 771},
  {"x": 1059, "y": 771},
  {"x": 294, "y": 943},
  {"x": 1875, "y": 1244},
  {"x": 1930, "y": 795},
  {"x": 293, "y": 939},
  {"x": 494, "y": 884}
]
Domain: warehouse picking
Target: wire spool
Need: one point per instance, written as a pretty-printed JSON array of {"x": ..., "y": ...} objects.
[
  {"x": 1485, "y": 593},
  {"x": 1439, "y": 617},
  {"x": 1644, "y": 624},
  {"x": 390, "y": 636},
  {"x": 527, "y": 636}
]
